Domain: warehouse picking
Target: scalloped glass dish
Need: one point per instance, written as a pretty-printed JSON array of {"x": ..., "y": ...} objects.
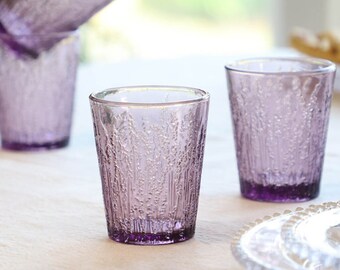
[
  {"x": 303, "y": 239},
  {"x": 312, "y": 236},
  {"x": 259, "y": 246}
]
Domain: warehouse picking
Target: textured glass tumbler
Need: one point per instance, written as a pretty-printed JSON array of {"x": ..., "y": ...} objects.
[
  {"x": 150, "y": 143},
  {"x": 37, "y": 91},
  {"x": 280, "y": 111}
]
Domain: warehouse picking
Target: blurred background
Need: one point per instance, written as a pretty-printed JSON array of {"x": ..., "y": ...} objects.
[{"x": 162, "y": 29}]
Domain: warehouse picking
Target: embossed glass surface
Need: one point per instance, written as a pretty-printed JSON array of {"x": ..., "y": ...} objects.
[
  {"x": 280, "y": 110},
  {"x": 27, "y": 17},
  {"x": 36, "y": 92},
  {"x": 313, "y": 236},
  {"x": 150, "y": 143}
]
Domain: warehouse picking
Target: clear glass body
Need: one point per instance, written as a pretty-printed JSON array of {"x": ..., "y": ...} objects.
[
  {"x": 280, "y": 110},
  {"x": 150, "y": 144},
  {"x": 37, "y": 91}
]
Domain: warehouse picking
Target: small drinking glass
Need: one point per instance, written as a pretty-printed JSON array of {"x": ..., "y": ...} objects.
[
  {"x": 280, "y": 110},
  {"x": 37, "y": 90},
  {"x": 150, "y": 144}
]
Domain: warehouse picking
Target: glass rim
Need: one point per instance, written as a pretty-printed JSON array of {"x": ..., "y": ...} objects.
[
  {"x": 327, "y": 65},
  {"x": 196, "y": 99}
]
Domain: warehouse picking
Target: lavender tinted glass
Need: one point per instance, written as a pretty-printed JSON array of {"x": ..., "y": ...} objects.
[
  {"x": 150, "y": 143},
  {"x": 37, "y": 92},
  {"x": 280, "y": 110},
  {"x": 28, "y": 17}
]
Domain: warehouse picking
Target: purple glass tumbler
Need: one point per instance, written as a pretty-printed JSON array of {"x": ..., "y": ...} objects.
[
  {"x": 280, "y": 110},
  {"x": 37, "y": 90},
  {"x": 150, "y": 144}
]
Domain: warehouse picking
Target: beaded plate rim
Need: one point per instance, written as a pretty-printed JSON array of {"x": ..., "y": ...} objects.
[
  {"x": 302, "y": 250},
  {"x": 241, "y": 256}
]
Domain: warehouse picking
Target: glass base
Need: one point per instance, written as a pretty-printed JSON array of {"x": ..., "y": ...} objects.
[
  {"x": 285, "y": 193},
  {"x": 34, "y": 146},
  {"x": 149, "y": 239}
]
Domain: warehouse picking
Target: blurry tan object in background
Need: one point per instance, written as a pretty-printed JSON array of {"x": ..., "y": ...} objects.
[{"x": 323, "y": 45}]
